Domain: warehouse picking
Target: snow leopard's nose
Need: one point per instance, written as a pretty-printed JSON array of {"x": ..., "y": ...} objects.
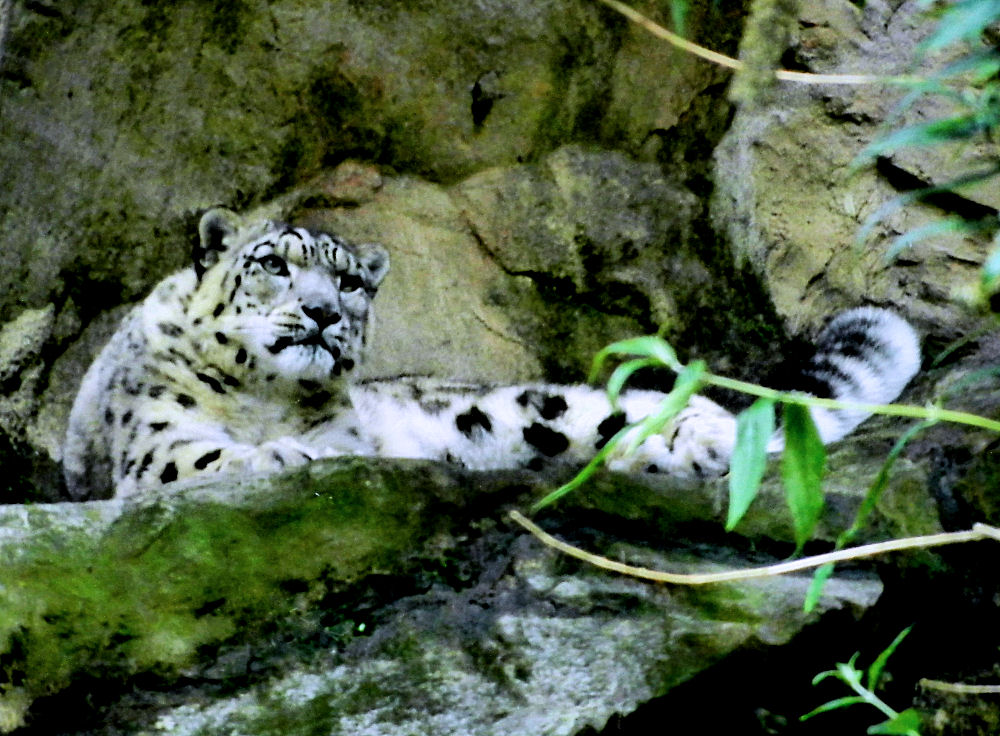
[{"x": 323, "y": 315}]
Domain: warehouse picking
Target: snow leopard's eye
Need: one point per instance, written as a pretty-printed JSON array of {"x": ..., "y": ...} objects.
[
  {"x": 351, "y": 282},
  {"x": 274, "y": 265}
]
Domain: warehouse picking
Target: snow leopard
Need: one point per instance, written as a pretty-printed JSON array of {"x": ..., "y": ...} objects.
[{"x": 243, "y": 362}]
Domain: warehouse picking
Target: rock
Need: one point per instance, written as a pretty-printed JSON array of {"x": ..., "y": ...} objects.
[
  {"x": 135, "y": 587},
  {"x": 282, "y": 100},
  {"x": 593, "y": 223},
  {"x": 959, "y": 707},
  {"x": 482, "y": 629},
  {"x": 517, "y": 273},
  {"x": 535, "y": 267},
  {"x": 21, "y": 343},
  {"x": 243, "y": 103},
  {"x": 433, "y": 313},
  {"x": 29, "y": 474},
  {"x": 531, "y": 662},
  {"x": 800, "y": 233},
  {"x": 541, "y": 173},
  {"x": 47, "y": 430}
]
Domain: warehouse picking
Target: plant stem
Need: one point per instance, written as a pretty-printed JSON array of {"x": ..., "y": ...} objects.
[
  {"x": 735, "y": 64},
  {"x": 868, "y": 696},
  {"x": 978, "y": 532},
  {"x": 931, "y": 413},
  {"x": 959, "y": 688}
]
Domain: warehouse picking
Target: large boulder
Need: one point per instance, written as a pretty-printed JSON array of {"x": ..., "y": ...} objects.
[
  {"x": 121, "y": 121},
  {"x": 800, "y": 232},
  {"x": 362, "y": 597}
]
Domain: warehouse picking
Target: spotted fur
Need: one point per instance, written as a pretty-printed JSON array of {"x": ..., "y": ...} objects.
[
  {"x": 242, "y": 363},
  {"x": 237, "y": 363}
]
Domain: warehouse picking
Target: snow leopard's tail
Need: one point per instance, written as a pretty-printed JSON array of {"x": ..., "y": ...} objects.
[{"x": 865, "y": 355}]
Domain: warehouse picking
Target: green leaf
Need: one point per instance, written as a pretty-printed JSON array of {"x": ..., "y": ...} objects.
[
  {"x": 678, "y": 14},
  {"x": 963, "y": 20},
  {"x": 906, "y": 723},
  {"x": 917, "y": 91},
  {"x": 802, "y": 465},
  {"x": 991, "y": 269},
  {"x": 641, "y": 347},
  {"x": 940, "y": 227},
  {"x": 917, "y": 195},
  {"x": 754, "y": 427},
  {"x": 623, "y": 372},
  {"x": 926, "y": 134},
  {"x": 876, "y": 668},
  {"x": 948, "y": 225},
  {"x": 687, "y": 384},
  {"x": 826, "y": 674},
  {"x": 878, "y": 486},
  {"x": 849, "y": 673},
  {"x": 585, "y": 473},
  {"x": 958, "y": 387},
  {"x": 815, "y": 591},
  {"x": 834, "y": 705},
  {"x": 893, "y": 205},
  {"x": 984, "y": 63}
]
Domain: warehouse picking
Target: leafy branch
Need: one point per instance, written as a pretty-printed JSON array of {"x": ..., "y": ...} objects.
[
  {"x": 803, "y": 459},
  {"x": 802, "y": 462},
  {"x": 864, "y": 684}
]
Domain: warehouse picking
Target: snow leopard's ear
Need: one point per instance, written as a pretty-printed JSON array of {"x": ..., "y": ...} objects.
[
  {"x": 375, "y": 258},
  {"x": 216, "y": 224}
]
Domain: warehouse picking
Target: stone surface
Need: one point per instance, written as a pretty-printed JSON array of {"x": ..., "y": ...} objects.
[
  {"x": 574, "y": 649},
  {"x": 128, "y": 588},
  {"x": 248, "y": 104},
  {"x": 29, "y": 472},
  {"x": 238, "y": 103},
  {"x": 21, "y": 363},
  {"x": 546, "y": 177},
  {"x": 475, "y": 628},
  {"x": 517, "y": 273},
  {"x": 803, "y": 239}
]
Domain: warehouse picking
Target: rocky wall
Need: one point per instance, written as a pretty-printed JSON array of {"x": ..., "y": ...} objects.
[{"x": 548, "y": 178}]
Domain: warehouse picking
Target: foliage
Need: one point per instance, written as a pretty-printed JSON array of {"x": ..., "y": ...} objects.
[
  {"x": 804, "y": 455},
  {"x": 969, "y": 86},
  {"x": 864, "y": 685},
  {"x": 754, "y": 428},
  {"x": 864, "y": 510},
  {"x": 803, "y": 459},
  {"x": 972, "y": 84}
]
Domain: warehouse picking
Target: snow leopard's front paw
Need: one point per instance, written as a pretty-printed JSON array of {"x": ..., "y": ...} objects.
[
  {"x": 695, "y": 444},
  {"x": 284, "y": 452}
]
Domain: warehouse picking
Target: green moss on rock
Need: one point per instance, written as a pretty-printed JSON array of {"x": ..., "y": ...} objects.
[{"x": 144, "y": 587}]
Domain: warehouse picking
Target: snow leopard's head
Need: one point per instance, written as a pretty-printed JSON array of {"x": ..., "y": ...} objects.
[{"x": 283, "y": 300}]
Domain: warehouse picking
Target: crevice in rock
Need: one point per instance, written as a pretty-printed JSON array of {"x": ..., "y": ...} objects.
[{"x": 905, "y": 181}]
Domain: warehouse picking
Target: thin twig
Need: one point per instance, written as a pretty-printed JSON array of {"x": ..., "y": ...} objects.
[
  {"x": 672, "y": 38},
  {"x": 931, "y": 413},
  {"x": 735, "y": 64},
  {"x": 978, "y": 532},
  {"x": 959, "y": 688}
]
